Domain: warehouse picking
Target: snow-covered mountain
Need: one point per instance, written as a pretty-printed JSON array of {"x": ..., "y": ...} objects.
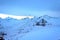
[{"x": 18, "y": 29}]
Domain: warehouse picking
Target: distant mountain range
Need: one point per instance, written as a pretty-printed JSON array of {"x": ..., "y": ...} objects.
[{"x": 11, "y": 21}]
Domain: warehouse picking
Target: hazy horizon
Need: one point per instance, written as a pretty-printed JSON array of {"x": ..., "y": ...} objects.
[{"x": 3, "y": 16}]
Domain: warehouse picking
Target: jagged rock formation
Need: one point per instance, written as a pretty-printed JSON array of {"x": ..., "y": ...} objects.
[{"x": 42, "y": 22}]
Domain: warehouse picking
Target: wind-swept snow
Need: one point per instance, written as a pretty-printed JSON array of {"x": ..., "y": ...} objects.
[{"x": 26, "y": 29}]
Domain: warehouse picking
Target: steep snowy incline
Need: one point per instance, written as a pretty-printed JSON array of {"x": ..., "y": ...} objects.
[{"x": 24, "y": 28}]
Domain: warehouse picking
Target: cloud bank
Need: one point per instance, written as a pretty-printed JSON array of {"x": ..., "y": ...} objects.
[{"x": 3, "y": 16}]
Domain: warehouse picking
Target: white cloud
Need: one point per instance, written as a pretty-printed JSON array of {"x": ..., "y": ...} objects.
[{"x": 13, "y": 16}]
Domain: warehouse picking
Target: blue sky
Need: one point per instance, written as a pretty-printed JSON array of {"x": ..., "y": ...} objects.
[{"x": 30, "y": 7}]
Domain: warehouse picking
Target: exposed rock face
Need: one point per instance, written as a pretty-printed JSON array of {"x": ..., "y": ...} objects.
[{"x": 42, "y": 22}]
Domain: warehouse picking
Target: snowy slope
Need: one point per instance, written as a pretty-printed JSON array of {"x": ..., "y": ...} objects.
[
  {"x": 26, "y": 29},
  {"x": 47, "y": 33}
]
